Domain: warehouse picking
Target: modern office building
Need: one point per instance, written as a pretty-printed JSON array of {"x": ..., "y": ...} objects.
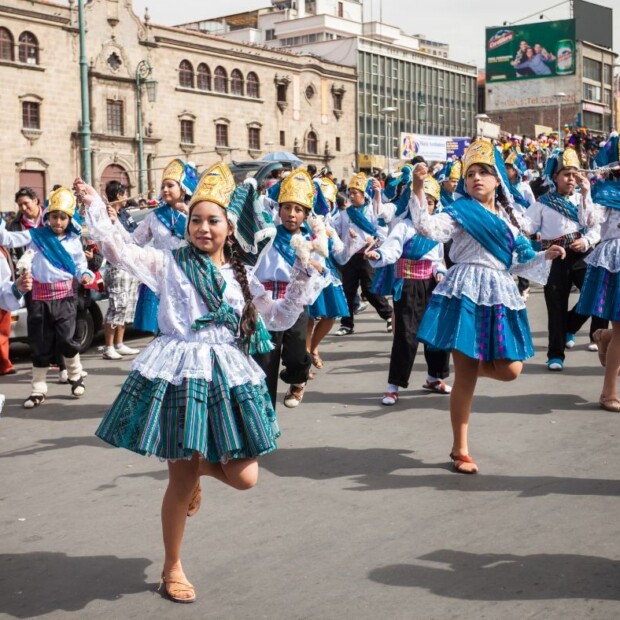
[{"x": 406, "y": 83}]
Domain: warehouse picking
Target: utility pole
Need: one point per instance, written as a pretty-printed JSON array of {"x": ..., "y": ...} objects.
[{"x": 85, "y": 132}]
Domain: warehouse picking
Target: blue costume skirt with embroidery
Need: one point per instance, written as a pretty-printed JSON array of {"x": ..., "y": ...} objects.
[
  {"x": 330, "y": 304},
  {"x": 145, "y": 318},
  {"x": 172, "y": 422},
  {"x": 600, "y": 294}
]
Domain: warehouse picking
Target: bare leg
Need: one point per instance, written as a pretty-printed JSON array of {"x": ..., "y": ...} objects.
[
  {"x": 612, "y": 364},
  {"x": 322, "y": 329},
  {"x": 465, "y": 378},
  {"x": 182, "y": 479},
  {"x": 241, "y": 474},
  {"x": 119, "y": 334},
  {"x": 500, "y": 370},
  {"x": 108, "y": 335}
]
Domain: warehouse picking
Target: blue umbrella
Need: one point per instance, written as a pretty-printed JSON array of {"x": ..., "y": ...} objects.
[{"x": 283, "y": 156}]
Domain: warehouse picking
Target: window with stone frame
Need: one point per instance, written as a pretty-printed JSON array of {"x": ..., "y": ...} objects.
[
  {"x": 312, "y": 143},
  {"x": 221, "y": 80},
  {"x": 254, "y": 138},
  {"x": 31, "y": 115},
  {"x": 203, "y": 77},
  {"x": 253, "y": 85},
  {"x": 187, "y": 131},
  {"x": 282, "y": 138},
  {"x": 116, "y": 117},
  {"x": 281, "y": 92},
  {"x": 186, "y": 74},
  {"x": 28, "y": 48},
  {"x": 236, "y": 82},
  {"x": 7, "y": 45},
  {"x": 221, "y": 134}
]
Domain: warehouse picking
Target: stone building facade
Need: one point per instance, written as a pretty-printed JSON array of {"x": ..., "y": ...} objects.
[{"x": 216, "y": 99}]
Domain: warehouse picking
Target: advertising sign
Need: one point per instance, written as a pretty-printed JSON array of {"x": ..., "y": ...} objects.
[
  {"x": 530, "y": 51},
  {"x": 455, "y": 147},
  {"x": 432, "y": 148}
]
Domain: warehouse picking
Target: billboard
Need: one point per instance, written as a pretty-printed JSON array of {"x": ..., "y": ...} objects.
[
  {"x": 456, "y": 147},
  {"x": 530, "y": 51},
  {"x": 432, "y": 148},
  {"x": 593, "y": 23}
]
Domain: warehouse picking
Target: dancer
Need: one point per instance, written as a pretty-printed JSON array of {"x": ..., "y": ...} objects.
[
  {"x": 275, "y": 272},
  {"x": 195, "y": 397},
  {"x": 559, "y": 216},
  {"x": 58, "y": 258},
  {"x": 165, "y": 228},
  {"x": 476, "y": 310},
  {"x": 331, "y": 303},
  {"x": 448, "y": 178},
  {"x": 358, "y": 224},
  {"x": 600, "y": 293},
  {"x": 418, "y": 267}
]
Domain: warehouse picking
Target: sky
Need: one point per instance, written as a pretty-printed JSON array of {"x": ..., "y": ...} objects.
[{"x": 460, "y": 23}]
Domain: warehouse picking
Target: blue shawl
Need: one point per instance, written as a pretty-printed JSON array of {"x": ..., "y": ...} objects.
[
  {"x": 607, "y": 193},
  {"x": 489, "y": 230},
  {"x": 176, "y": 225},
  {"x": 445, "y": 198},
  {"x": 49, "y": 245},
  {"x": 282, "y": 243},
  {"x": 357, "y": 216},
  {"x": 558, "y": 203}
]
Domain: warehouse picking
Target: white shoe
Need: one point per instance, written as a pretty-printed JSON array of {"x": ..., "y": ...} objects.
[
  {"x": 63, "y": 376},
  {"x": 123, "y": 349},
  {"x": 110, "y": 353},
  {"x": 294, "y": 395},
  {"x": 593, "y": 347}
]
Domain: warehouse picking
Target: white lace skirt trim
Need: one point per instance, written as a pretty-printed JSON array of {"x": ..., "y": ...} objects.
[
  {"x": 607, "y": 255},
  {"x": 176, "y": 360},
  {"x": 483, "y": 285}
]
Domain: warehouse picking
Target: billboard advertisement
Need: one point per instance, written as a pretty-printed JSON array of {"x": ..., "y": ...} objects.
[
  {"x": 432, "y": 148},
  {"x": 456, "y": 147},
  {"x": 530, "y": 51}
]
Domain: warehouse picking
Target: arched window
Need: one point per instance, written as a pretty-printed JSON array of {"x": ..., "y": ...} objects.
[
  {"x": 253, "y": 85},
  {"x": 28, "y": 48},
  {"x": 203, "y": 77},
  {"x": 6, "y": 45},
  {"x": 312, "y": 143},
  {"x": 221, "y": 80},
  {"x": 186, "y": 74},
  {"x": 236, "y": 82}
]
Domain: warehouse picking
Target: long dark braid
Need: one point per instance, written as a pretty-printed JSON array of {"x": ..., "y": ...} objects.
[
  {"x": 249, "y": 315},
  {"x": 503, "y": 200}
]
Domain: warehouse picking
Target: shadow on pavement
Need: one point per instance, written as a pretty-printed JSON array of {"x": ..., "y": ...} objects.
[
  {"x": 507, "y": 577},
  {"x": 155, "y": 475},
  {"x": 373, "y": 469},
  {"x": 61, "y": 443},
  {"x": 38, "y": 583}
]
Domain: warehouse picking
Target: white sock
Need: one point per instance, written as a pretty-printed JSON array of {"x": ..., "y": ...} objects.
[
  {"x": 39, "y": 380},
  {"x": 430, "y": 379},
  {"x": 74, "y": 367},
  {"x": 392, "y": 388}
]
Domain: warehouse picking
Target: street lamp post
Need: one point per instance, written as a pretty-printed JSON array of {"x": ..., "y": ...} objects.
[
  {"x": 559, "y": 97},
  {"x": 372, "y": 146},
  {"x": 388, "y": 113},
  {"x": 421, "y": 112},
  {"x": 85, "y": 129},
  {"x": 143, "y": 72}
]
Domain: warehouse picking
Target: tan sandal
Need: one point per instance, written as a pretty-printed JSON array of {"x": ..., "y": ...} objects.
[
  {"x": 317, "y": 362},
  {"x": 597, "y": 338},
  {"x": 610, "y": 404},
  {"x": 458, "y": 460},
  {"x": 194, "y": 503},
  {"x": 174, "y": 589}
]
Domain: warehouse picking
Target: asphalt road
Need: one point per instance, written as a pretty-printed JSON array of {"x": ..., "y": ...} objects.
[{"x": 357, "y": 515}]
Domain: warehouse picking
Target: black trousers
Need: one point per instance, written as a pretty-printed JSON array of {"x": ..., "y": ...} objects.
[
  {"x": 561, "y": 321},
  {"x": 51, "y": 330},
  {"x": 408, "y": 313},
  {"x": 358, "y": 272},
  {"x": 290, "y": 345}
]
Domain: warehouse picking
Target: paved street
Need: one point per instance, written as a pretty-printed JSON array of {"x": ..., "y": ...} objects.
[{"x": 357, "y": 515}]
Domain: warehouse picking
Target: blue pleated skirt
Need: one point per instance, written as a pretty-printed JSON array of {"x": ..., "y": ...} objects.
[
  {"x": 600, "y": 294},
  {"x": 330, "y": 304},
  {"x": 147, "y": 307},
  {"x": 478, "y": 331}
]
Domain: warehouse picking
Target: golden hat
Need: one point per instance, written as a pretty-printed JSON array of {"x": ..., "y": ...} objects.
[
  {"x": 359, "y": 182},
  {"x": 173, "y": 171},
  {"x": 456, "y": 170},
  {"x": 329, "y": 189},
  {"x": 216, "y": 184},
  {"x": 297, "y": 187},
  {"x": 570, "y": 159},
  {"x": 511, "y": 158},
  {"x": 479, "y": 152},
  {"x": 62, "y": 199},
  {"x": 431, "y": 187}
]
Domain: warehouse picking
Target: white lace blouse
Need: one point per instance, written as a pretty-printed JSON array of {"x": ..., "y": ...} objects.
[{"x": 179, "y": 352}]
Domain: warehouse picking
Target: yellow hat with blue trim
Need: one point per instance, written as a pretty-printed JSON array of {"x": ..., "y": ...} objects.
[
  {"x": 297, "y": 187},
  {"x": 479, "y": 152},
  {"x": 215, "y": 185},
  {"x": 329, "y": 189},
  {"x": 431, "y": 187},
  {"x": 358, "y": 182},
  {"x": 62, "y": 199}
]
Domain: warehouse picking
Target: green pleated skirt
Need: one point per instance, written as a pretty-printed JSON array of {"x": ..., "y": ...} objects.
[{"x": 219, "y": 421}]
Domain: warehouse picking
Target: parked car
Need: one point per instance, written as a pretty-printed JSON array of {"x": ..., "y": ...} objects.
[{"x": 257, "y": 169}]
